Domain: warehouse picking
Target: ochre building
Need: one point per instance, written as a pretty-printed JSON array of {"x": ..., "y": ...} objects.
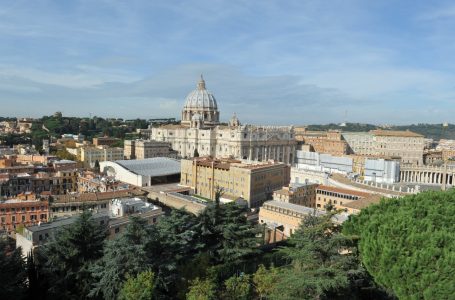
[{"x": 253, "y": 181}]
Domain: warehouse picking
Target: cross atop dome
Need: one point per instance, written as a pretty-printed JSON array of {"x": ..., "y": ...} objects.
[{"x": 201, "y": 84}]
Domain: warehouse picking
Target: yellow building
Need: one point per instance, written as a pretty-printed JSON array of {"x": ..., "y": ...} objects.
[
  {"x": 283, "y": 219},
  {"x": 354, "y": 207},
  {"x": 301, "y": 194},
  {"x": 337, "y": 197},
  {"x": 252, "y": 181},
  {"x": 89, "y": 155}
]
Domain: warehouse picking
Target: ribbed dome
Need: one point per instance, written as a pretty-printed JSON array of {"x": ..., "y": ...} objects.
[
  {"x": 200, "y": 108},
  {"x": 200, "y": 98}
]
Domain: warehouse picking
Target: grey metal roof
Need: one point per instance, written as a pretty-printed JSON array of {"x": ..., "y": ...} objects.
[
  {"x": 63, "y": 222},
  {"x": 156, "y": 166},
  {"x": 295, "y": 207}
]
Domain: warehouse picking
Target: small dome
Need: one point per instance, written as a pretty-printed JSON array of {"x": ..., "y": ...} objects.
[{"x": 200, "y": 98}]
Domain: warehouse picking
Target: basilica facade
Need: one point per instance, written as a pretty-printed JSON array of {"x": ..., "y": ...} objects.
[{"x": 200, "y": 132}]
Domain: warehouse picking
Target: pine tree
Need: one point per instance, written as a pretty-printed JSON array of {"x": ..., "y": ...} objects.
[
  {"x": 408, "y": 244},
  {"x": 265, "y": 281},
  {"x": 323, "y": 262},
  {"x": 67, "y": 260},
  {"x": 12, "y": 272},
  {"x": 97, "y": 166},
  {"x": 226, "y": 233},
  {"x": 178, "y": 246},
  {"x": 127, "y": 255}
]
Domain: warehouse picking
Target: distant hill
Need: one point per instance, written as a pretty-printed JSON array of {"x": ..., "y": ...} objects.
[{"x": 432, "y": 131}]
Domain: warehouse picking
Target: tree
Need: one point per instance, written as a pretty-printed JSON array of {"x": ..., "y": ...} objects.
[
  {"x": 226, "y": 233},
  {"x": 178, "y": 247},
  {"x": 64, "y": 154},
  {"x": 323, "y": 262},
  {"x": 12, "y": 272},
  {"x": 97, "y": 166},
  {"x": 238, "y": 287},
  {"x": 129, "y": 254},
  {"x": 264, "y": 281},
  {"x": 138, "y": 288},
  {"x": 201, "y": 290},
  {"x": 408, "y": 244},
  {"x": 67, "y": 260}
]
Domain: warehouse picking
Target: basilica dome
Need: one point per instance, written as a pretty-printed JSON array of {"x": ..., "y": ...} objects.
[
  {"x": 200, "y": 98},
  {"x": 201, "y": 102}
]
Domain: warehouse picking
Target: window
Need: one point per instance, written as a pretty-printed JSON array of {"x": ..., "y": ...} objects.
[
  {"x": 40, "y": 237},
  {"x": 33, "y": 208},
  {"x": 117, "y": 230},
  {"x": 154, "y": 220},
  {"x": 23, "y": 219},
  {"x": 13, "y": 219}
]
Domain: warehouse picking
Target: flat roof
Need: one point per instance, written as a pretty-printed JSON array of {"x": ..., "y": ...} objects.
[
  {"x": 97, "y": 196},
  {"x": 294, "y": 207},
  {"x": 338, "y": 218},
  {"x": 153, "y": 167},
  {"x": 397, "y": 133},
  {"x": 62, "y": 222}
]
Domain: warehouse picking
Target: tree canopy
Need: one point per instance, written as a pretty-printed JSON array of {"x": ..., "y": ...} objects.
[
  {"x": 68, "y": 259},
  {"x": 12, "y": 272},
  {"x": 408, "y": 244}
]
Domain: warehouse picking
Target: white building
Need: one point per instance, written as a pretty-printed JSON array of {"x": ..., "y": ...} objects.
[
  {"x": 406, "y": 145},
  {"x": 128, "y": 206},
  {"x": 382, "y": 170},
  {"x": 143, "y": 172},
  {"x": 376, "y": 169},
  {"x": 200, "y": 132},
  {"x": 323, "y": 162}
]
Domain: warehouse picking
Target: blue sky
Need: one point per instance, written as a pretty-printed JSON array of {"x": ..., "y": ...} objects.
[{"x": 271, "y": 62}]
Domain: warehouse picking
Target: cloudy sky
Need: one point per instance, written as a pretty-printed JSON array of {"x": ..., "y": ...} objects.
[{"x": 271, "y": 62}]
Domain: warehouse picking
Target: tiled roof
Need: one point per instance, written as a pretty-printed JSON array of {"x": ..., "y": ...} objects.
[
  {"x": 342, "y": 191},
  {"x": 363, "y": 203}
]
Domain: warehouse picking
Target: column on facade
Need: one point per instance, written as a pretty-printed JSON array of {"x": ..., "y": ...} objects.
[{"x": 286, "y": 155}]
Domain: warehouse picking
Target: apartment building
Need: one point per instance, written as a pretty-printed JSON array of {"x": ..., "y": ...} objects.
[
  {"x": 142, "y": 149},
  {"x": 89, "y": 155},
  {"x": 337, "y": 197},
  {"x": 255, "y": 182},
  {"x": 297, "y": 193},
  {"x": 15, "y": 212}
]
